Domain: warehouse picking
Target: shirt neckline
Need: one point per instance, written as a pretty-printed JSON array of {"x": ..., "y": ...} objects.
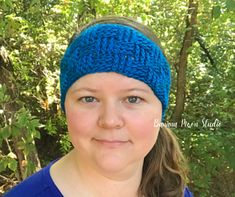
[{"x": 55, "y": 190}]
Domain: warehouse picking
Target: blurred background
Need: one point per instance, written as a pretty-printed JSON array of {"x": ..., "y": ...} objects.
[{"x": 199, "y": 41}]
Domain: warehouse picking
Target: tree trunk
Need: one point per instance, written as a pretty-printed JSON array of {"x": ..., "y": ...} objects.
[{"x": 191, "y": 21}]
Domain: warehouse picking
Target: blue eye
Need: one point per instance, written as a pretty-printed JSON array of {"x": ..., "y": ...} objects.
[
  {"x": 87, "y": 99},
  {"x": 134, "y": 99}
]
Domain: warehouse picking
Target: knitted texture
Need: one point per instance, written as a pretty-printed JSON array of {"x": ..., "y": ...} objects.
[{"x": 116, "y": 48}]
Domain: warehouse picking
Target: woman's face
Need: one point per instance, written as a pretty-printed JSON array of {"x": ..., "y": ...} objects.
[{"x": 110, "y": 120}]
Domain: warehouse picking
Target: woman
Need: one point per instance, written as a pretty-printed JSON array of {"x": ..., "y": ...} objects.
[{"x": 115, "y": 83}]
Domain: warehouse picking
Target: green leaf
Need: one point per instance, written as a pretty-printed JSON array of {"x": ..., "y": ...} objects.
[
  {"x": 12, "y": 164},
  {"x": 216, "y": 12},
  {"x": 7, "y": 4},
  {"x": 230, "y": 4},
  {"x": 12, "y": 155},
  {"x": 15, "y": 131},
  {"x": 23, "y": 117},
  {"x": 33, "y": 124},
  {"x": 37, "y": 135},
  {"x": 3, "y": 163},
  {"x": 3, "y": 96},
  {"x": 2, "y": 166},
  {"x": 5, "y": 132}
]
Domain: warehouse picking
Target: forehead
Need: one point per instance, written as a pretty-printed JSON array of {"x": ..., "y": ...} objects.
[{"x": 110, "y": 80}]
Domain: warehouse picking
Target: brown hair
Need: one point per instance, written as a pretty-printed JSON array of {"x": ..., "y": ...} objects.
[{"x": 164, "y": 170}]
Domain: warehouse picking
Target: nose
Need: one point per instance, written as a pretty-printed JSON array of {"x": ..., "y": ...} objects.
[{"x": 110, "y": 117}]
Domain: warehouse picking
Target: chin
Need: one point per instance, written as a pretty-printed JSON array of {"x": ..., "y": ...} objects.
[
  {"x": 111, "y": 163},
  {"x": 118, "y": 167}
]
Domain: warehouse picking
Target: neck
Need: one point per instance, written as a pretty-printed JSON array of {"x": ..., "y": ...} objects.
[{"x": 88, "y": 180}]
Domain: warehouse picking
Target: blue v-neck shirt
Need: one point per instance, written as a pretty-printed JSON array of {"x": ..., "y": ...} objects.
[{"x": 41, "y": 184}]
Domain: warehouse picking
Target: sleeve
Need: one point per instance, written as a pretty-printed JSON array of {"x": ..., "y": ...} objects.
[
  {"x": 37, "y": 185},
  {"x": 27, "y": 188},
  {"x": 30, "y": 187}
]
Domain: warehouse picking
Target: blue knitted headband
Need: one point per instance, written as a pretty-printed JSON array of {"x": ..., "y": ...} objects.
[{"x": 116, "y": 48}]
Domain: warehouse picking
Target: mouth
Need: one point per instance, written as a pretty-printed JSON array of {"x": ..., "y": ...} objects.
[{"x": 111, "y": 143}]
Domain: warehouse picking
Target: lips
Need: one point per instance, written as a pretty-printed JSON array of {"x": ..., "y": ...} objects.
[{"x": 111, "y": 143}]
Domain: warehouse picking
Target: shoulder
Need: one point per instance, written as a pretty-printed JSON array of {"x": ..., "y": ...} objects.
[
  {"x": 187, "y": 193},
  {"x": 38, "y": 184}
]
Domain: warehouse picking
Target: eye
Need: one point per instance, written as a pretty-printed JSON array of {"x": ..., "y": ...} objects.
[
  {"x": 134, "y": 99},
  {"x": 87, "y": 99}
]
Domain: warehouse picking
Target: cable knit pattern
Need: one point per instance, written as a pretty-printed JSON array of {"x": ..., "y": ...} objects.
[{"x": 116, "y": 48}]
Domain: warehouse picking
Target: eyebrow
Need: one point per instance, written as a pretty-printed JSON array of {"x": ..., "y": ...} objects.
[
  {"x": 124, "y": 90},
  {"x": 85, "y": 89}
]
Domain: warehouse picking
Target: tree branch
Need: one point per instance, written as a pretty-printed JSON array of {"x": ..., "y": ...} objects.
[{"x": 206, "y": 50}]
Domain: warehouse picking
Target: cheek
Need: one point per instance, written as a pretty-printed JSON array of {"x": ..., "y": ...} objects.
[
  {"x": 145, "y": 137},
  {"x": 146, "y": 119},
  {"x": 79, "y": 124},
  {"x": 146, "y": 133}
]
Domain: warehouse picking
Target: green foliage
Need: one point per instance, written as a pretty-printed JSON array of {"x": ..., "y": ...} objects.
[
  {"x": 22, "y": 126},
  {"x": 65, "y": 144},
  {"x": 35, "y": 34},
  {"x": 8, "y": 162},
  {"x": 3, "y": 96}
]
